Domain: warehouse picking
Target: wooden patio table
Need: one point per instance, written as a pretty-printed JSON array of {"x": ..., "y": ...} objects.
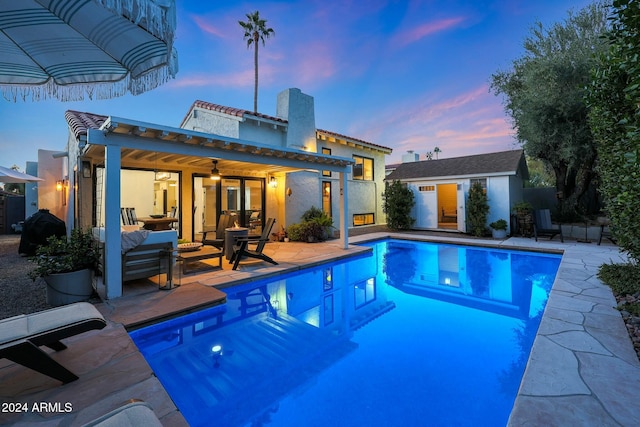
[{"x": 205, "y": 252}]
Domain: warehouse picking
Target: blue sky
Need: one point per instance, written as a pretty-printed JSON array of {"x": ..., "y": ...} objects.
[{"x": 409, "y": 75}]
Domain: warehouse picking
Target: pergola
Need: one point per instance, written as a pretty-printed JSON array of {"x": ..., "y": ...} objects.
[{"x": 119, "y": 139}]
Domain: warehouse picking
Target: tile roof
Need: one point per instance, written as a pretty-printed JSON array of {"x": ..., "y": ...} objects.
[
  {"x": 480, "y": 164},
  {"x": 348, "y": 138},
  {"x": 79, "y": 122},
  {"x": 238, "y": 112}
]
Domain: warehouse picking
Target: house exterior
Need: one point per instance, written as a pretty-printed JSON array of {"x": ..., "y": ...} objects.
[
  {"x": 441, "y": 187},
  {"x": 269, "y": 167},
  {"x": 294, "y": 127}
]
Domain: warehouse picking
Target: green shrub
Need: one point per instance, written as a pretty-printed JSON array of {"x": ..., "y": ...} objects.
[
  {"x": 477, "y": 210},
  {"x": 623, "y": 279},
  {"x": 500, "y": 224},
  {"x": 312, "y": 213},
  {"x": 294, "y": 232},
  {"x": 62, "y": 255},
  {"x": 398, "y": 200}
]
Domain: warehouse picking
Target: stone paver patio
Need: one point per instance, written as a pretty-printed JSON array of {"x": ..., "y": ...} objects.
[{"x": 582, "y": 371}]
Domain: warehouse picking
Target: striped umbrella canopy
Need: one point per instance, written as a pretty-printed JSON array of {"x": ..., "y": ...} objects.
[
  {"x": 75, "y": 49},
  {"x": 13, "y": 176}
]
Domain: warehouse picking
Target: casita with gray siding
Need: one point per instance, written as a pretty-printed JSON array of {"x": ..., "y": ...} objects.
[{"x": 441, "y": 187}]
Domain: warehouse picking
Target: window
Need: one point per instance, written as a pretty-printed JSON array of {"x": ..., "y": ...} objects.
[
  {"x": 363, "y": 169},
  {"x": 427, "y": 188},
  {"x": 326, "y": 197},
  {"x": 364, "y": 292},
  {"x": 326, "y": 151},
  {"x": 363, "y": 219}
]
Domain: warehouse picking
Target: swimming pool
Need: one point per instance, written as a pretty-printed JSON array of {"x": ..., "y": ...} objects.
[{"x": 414, "y": 333}]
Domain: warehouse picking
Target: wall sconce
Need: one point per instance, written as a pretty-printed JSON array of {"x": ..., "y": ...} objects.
[
  {"x": 289, "y": 192},
  {"x": 273, "y": 182},
  {"x": 86, "y": 169},
  {"x": 59, "y": 185}
]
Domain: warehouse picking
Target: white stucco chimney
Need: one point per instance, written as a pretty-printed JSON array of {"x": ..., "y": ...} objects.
[
  {"x": 410, "y": 156},
  {"x": 298, "y": 109}
]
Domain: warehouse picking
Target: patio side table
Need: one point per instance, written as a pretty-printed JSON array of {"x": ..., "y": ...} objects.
[{"x": 230, "y": 236}]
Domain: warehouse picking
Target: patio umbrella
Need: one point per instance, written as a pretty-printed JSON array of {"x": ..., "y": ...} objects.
[
  {"x": 13, "y": 176},
  {"x": 69, "y": 49}
]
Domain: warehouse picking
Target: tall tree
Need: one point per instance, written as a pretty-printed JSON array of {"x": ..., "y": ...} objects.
[
  {"x": 437, "y": 151},
  {"x": 544, "y": 95},
  {"x": 615, "y": 122},
  {"x": 255, "y": 30}
]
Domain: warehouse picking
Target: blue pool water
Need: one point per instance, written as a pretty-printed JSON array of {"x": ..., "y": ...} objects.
[{"x": 413, "y": 334}]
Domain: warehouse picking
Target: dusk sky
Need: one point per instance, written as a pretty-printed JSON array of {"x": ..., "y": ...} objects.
[{"x": 409, "y": 75}]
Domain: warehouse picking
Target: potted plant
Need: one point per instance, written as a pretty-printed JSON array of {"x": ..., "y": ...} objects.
[
  {"x": 67, "y": 266},
  {"x": 499, "y": 229}
]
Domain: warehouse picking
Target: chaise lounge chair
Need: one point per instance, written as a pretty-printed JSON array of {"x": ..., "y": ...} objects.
[
  {"x": 542, "y": 225},
  {"x": 135, "y": 414},
  {"x": 241, "y": 249},
  {"x": 21, "y": 336}
]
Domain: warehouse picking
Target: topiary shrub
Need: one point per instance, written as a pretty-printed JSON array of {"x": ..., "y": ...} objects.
[
  {"x": 477, "y": 210},
  {"x": 398, "y": 200}
]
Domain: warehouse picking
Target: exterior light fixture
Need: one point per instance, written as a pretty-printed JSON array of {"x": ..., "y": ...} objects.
[
  {"x": 215, "y": 173},
  {"x": 59, "y": 185},
  {"x": 273, "y": 182},
  {"x": 289, "y": 192},
  {"x": 162, "y": 176}
]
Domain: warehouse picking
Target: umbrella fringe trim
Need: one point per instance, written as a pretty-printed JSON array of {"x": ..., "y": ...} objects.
[
  {"x": 94, "y": 90},
  {"x": 157, "y": 16}
]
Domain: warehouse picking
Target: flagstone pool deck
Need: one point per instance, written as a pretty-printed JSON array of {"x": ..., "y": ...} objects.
[{"x": 583, "y": 370}]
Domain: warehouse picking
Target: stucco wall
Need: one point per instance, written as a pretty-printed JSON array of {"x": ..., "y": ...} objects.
[
  {"x": 498, "y": 193},
  {"x": 52, "y": 169},
  {"x": 213, "y": 122},
  {"x": 263, "y": 134},
  {"x": 305, "y": 193}
]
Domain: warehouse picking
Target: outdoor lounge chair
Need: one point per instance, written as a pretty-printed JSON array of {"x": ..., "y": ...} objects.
[
  {"x": 241, "y": 249},
  {"x": 218, "y": 241},
  {"x": 136, "y": 413},
  {"x": 21, "y": 336},
  {"x": 542, "y": 225}
]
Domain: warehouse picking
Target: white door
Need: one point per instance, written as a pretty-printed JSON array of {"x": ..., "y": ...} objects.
[
  {"x": 426, "y": 206},
  {"x": 462, "y": 214}
]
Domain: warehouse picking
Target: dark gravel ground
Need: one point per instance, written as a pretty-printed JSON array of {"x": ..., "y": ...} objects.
[{"x": 18, "y": 293}]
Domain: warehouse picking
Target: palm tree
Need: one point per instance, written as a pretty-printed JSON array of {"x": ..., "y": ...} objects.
[
  {"x": 255, "y": 30},
  {"x": 436, "y": 151}
]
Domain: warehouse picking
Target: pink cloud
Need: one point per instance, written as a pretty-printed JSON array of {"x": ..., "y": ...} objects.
[
  {"x": 469, "y": 123},
  {"x": 207, "y": 27},
  {"x": 414, "y": 34}
]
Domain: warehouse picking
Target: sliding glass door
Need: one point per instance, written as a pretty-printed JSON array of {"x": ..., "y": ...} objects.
[{"x": 241, "y": 197}]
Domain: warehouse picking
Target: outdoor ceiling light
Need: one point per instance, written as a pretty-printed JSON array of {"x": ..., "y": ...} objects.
[
  {"x": 162, "y": 176},
  {"x": 215, "y": 173},
  {"x": 273, "y": 182}
]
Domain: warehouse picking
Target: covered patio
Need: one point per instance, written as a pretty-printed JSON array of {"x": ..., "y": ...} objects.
[{"x": 104, "y": 146}]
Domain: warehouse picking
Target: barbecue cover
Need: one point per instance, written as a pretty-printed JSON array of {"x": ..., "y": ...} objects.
[{"x": 38, "y": 228}]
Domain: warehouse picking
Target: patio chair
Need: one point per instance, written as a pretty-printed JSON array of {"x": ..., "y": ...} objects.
[
  {"x": 21, "y": 336},
  {"x": 241, "y": 249},
  {"x": 218, "y": 240},
  {"x": 542, "y": 225}
]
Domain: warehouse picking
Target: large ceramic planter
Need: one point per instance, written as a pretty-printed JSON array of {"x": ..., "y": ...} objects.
[
  {"x": 67, "y": 288},
  {"x": 498, "y": 234}
]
